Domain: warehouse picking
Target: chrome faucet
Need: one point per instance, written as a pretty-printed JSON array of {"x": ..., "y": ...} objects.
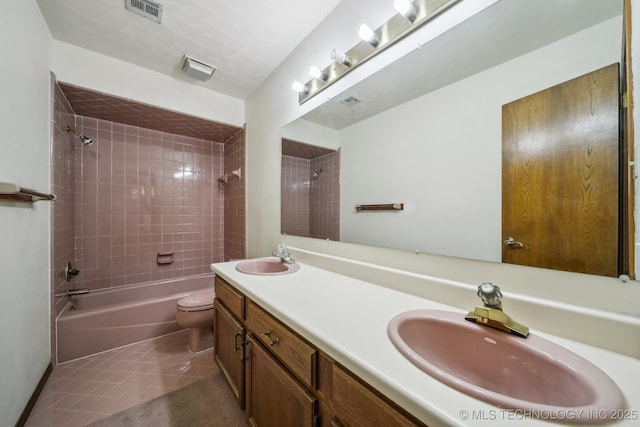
[
  {"x": 283, "y": 253},
  {"x": 491, "y": 313}
]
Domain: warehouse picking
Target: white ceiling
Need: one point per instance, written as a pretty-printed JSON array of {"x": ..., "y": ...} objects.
[{"x": 245, "y": 39}]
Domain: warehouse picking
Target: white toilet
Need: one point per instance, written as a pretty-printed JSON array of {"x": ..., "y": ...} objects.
[{"x": 195, "y": 312}]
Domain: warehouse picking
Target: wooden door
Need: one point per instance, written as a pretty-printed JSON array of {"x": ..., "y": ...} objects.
[
  {"x": 560, "y": 176},
  {"x": 229, "y": 335},
  {"x": 274, "y": 397}
]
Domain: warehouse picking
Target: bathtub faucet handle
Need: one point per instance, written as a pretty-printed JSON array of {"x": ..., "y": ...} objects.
[{"x": 70, "y": 272}]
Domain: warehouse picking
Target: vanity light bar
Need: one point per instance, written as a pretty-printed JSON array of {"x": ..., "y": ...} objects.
[{"x": 396, "y": 28}]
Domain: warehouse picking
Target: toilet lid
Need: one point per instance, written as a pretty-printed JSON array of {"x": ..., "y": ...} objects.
[{"x": 201, "y": 300}]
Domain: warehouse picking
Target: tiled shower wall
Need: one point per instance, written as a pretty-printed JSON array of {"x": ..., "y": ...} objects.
[
  {"x": 325, "y": 197},
  {"x": 141, "y": 193},
  {"x": 311, "y": 206},
  {"x": 296, "y": 183},
  {"x": 234, "y": 198},
  {"x": 62, "y": 212},
  {"x": 135, "y": 193}
]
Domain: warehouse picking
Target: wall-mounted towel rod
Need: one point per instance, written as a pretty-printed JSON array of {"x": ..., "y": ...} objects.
[
  {"x": 9, "y": 190},
  {"x": 381, "y": 207},
  {"x": 224, "y": 179}
]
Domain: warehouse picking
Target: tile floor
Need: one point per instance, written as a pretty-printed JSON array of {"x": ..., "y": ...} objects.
[{"x": 85, "y": 390}]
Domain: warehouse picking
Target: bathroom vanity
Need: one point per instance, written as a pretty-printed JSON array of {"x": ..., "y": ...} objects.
[
  {"x": 282, "y": 379},
  {"x": 310, "y": 348}
]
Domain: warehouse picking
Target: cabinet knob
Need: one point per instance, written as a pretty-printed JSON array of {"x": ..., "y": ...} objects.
[{"x": 267, "y": 335}]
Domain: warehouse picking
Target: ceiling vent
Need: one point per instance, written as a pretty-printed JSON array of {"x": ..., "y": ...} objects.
[
  {"x": 350, "y": 101},
  {"x": 197, "y": 69},
  {"x": 146, "y": 8}
]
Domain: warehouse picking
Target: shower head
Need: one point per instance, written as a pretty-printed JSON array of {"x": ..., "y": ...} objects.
[
  {"x": 316, "y": 173},
  {"x": 84, "y": 139}
]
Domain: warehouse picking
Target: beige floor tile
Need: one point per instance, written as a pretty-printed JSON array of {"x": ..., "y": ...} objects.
[{"x": 84, "y": 390}]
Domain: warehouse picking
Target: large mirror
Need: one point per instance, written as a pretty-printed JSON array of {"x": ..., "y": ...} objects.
[{"x": 425, "y": 132}]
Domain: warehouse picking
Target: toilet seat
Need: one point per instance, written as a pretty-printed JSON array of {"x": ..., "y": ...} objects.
[{"x": 197, "y": 301}]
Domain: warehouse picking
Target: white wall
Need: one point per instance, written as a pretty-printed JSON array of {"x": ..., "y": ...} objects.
[
  {"x": 312, "y": 133},
  {"x": 443, "y": 163},
  {"x": 25, "y": 49},
  {"x": 81, "y": 67},
  {"x": 275, "y": 105}
]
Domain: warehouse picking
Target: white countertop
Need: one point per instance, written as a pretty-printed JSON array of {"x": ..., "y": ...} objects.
[{"x": 347, "y": 319}]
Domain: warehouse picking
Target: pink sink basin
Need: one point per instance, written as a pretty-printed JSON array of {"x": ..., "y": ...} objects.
[
  {"x": 266, "y": 266},
  {"x": 530, "y": 374}
]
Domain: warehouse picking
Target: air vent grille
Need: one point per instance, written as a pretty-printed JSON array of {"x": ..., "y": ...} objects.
[
  {"x": 350, "y": 101},
  {"x": 145, "y": 8}
]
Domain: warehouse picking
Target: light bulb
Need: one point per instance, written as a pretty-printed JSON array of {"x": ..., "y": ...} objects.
[
  {"x": 405, "y": 8},
  {"x": 367, "y": 35},
  {"x": 317, "y": 73},
  {"x": 340, "y": 57},
  {"x": 299, "y": 87}
]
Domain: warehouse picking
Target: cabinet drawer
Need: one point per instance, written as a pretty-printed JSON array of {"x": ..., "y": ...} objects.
[
  {"x": 290, "y": 349},
  {"x": 357, "y": 405},
  {"x": 231, "y": 298}
]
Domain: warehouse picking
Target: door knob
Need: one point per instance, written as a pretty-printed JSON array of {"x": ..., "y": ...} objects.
[{"x": 512, "y": 243}]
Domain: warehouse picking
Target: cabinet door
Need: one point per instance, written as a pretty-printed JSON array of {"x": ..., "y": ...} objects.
[
  {"x": 357, "y": 405},
  {"x": 274, "y": 397},
  {"x": 228, "y": 349}
]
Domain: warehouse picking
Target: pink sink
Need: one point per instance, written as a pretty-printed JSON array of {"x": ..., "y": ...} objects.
[
  {"x": 266, "y": 266},
  {"x": 531, "y": 374}
]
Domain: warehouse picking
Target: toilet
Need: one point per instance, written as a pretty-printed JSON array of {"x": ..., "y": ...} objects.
[{"x": 195, "y": 312}]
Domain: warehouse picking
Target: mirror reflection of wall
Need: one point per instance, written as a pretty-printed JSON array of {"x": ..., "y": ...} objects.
[
  {"x": 310, "y": 191},
  {"x": 438, "y": 150}
]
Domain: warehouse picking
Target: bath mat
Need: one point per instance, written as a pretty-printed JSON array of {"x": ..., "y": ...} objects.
[{"x": 205, "y": 403}]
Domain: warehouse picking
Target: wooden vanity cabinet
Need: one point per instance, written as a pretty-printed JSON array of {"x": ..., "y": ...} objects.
[
  {"x": 281, "y": 372},
  {"x": 229, "y": 337},
  {"x": 282, "y": 380}
]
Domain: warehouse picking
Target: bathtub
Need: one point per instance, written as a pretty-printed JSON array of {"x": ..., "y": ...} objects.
[{"x": 106, "y": 319}]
